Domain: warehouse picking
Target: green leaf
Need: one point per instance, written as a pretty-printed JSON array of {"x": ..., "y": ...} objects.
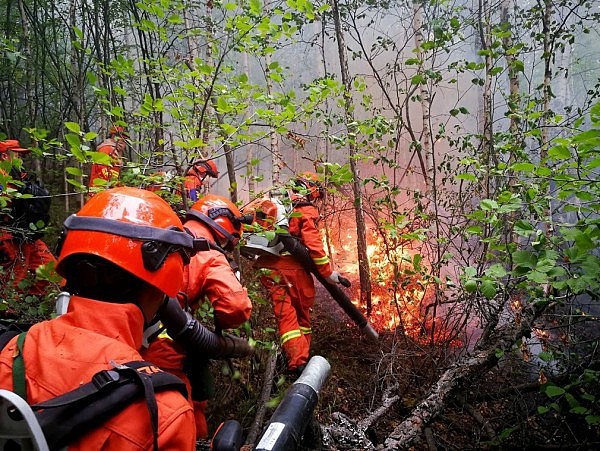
[
  {"x": 470, "y": 286},
  {"x": 525, "y": 259},
  {"x": 223, "y": 105},
  {"x": 74, "y": 171},
  {"x": 523, "y": 167},
  {"x": 470, "y": 272},
  {"x": 73, "y": 126},
  {"x": 417, "y": 79},
  {"x": 497, "y": 271},
  {"x": 523, "y": 228},
  {"x": 468, "y": 177},
  {"x": 559, "y": 153},
  {"x": 488, "y": 288},
  {"x": 474, "y": 230},
  {"x": 595, "y": 114},
  {"x": 488, "y": 204},
  {"x": 592, "y": 420},
  {"x": 553, "y": 391}
]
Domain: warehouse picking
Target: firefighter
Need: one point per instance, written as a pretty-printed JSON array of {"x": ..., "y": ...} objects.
[
  {"x": 22, "y": 251},
  {"x": 195, "y": 176},
  {"x": 290, "y": 285},
  {"x": 105, "y": 176},
  {"x": 120, "y": 255},
  {"x": 209, "y": 275}
]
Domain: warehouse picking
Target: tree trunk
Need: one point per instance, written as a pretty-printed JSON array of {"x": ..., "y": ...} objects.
[
  {"x": 423, "y": 148},
  {"x": 361, "y": 233},
  {"x": 485, "y": 126},
  {"x": 274, "y": 145},
  {"x": 250, "y": 166}
]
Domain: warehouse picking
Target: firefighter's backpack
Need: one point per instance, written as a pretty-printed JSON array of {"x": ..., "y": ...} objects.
[
  {"x": 31, "y": 211},
  {"x": 71, "y": 415},
  {"x": 261, "y": 238}
]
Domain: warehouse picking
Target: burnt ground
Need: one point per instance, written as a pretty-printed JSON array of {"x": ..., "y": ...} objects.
[{"x": 497, "y": 411}]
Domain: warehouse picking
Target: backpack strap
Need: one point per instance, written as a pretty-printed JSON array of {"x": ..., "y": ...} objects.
[
  {"x": 18, "y": 369},
  {"x": 151, "y": 404},
  {"x": 7, "y": 333},
  {"x": 73, "y": 414}
]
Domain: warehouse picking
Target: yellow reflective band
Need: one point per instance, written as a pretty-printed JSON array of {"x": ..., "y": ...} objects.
[
  {"x": 164, "y": 334},
  {"x": 321, "y": 260},
  {"x": 306, "y": 330},
  {"x": 290, "y": 335}
]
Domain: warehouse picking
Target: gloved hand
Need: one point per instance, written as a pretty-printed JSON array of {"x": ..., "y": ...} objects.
[{"x": 334, "y": 277}]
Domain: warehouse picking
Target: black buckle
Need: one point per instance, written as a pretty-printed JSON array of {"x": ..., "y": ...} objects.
[
  {"x": 201, "y": 244},
  {"x": 105, "y": 378}
]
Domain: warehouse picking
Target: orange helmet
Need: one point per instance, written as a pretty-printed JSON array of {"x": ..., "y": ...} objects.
[
  {"x": 135, "y": 230},
  {"x": 221, "y": 215},
  {"x": 117, "y": 130},
  {"x": 12, "y": 145},
  {"x": 202, "y": 168},
  {"x": 309, "y": 184}
]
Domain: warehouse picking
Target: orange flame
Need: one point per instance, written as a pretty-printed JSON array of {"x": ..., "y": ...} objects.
[{"x": 399, "y": 291}]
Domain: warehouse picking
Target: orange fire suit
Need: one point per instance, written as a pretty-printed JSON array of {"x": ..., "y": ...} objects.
[
  {"x": 21, "y": 258},
  {"x": 63, "y": 353},
  {"x": 110, "y": 173},
  {"x": 193, "y": 187},
  {"x": 292, "y": 288},
  {"x": 207, "y": 275}
]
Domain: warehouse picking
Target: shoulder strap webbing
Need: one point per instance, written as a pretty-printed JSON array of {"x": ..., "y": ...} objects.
[
  {"x": 18, "y": 368},
  {"x": 71, "y": 415}
]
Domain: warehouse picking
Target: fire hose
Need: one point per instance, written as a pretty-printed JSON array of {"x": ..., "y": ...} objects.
[
  {"x": 301, "y": 253},
  {"x": 287, "y": 426},
  {"x": 197, "y": 339},
  {"x": 288, "y": 423}
]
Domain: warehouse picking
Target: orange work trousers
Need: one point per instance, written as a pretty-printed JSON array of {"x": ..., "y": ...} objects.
[{"x": 292, "y": 292}]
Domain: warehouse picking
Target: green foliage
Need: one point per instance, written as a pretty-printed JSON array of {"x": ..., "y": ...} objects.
[
  {"x": 24, "y": 302},
  {"x": 514, "y": 201},
  {"x": 578, "y": 398}
]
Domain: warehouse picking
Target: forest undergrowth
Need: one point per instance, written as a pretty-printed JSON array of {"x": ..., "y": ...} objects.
[{"x": 496, "y": 411}]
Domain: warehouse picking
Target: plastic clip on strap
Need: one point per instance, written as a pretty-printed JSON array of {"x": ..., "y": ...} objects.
[{"x": 105, "y": 379}]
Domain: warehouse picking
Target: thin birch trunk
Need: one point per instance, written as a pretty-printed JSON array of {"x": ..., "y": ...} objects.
[
  {"x": 274, "y": 143},
  {"x": 361, "y": 234},
  {"x": 487, "y": 113},
  {"x": 424, "y": 148},
  {"x": 250, "y": 169}
]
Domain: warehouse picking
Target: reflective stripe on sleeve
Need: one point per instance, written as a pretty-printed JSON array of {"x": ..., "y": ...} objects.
[
  {"x": 321, "y": 260},
  {"x": 290, "y": 335}
]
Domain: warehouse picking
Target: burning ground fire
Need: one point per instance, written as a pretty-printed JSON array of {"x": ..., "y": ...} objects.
[{"x": 398, "y": 291}]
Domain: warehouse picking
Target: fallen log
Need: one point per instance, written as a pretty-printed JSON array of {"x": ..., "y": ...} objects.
[{"x": 474, "y": 364}]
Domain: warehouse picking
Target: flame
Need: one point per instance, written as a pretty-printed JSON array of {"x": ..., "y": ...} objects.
[{"x": 399, "y": 291}]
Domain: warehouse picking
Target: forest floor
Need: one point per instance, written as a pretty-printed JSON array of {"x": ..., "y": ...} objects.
[{"x": 499, "y": 411}]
